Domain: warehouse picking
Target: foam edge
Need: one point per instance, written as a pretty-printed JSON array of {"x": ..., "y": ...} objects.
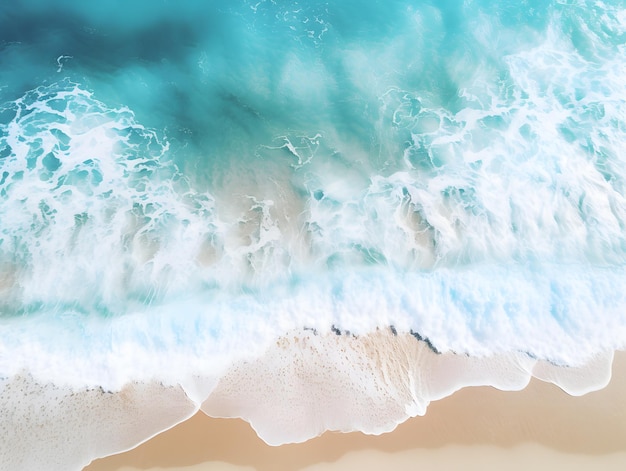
[
  {"x": 44, "y": 426},
  {"x": 303, "y": 385},
  {"x": 306, "y": 384}
]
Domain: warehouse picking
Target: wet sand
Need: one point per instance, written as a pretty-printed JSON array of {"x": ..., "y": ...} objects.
[{"x": 476, "y": 428}]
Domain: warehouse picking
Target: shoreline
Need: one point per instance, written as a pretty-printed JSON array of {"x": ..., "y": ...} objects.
[{"x": 540, "y": 424}]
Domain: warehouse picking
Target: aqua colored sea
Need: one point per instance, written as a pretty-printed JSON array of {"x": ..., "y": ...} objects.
[{"x": 183, "y": 184}]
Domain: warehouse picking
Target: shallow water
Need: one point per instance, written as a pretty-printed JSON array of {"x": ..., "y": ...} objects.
[{"x": 181, "y": 185}]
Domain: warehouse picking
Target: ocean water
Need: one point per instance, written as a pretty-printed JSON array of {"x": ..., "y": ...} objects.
[{"x": 310, "y": 214}]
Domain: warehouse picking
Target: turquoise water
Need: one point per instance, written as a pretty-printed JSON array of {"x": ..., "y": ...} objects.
[{"x": 184, "y": 182}]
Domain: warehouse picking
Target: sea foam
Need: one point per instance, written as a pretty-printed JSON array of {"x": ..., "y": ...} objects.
[{"x": 323, "y": 229}]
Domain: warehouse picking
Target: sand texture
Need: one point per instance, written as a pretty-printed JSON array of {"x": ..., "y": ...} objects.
[{"x": 476, "y": 428}]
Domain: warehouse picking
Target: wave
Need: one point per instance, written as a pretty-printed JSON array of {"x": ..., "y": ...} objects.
[
  {"x": 302, "y": 385},
  {"x": 314, "y": 240}
]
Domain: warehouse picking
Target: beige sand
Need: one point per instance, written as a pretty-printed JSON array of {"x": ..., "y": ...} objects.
[{"x": 482, "y": 428}]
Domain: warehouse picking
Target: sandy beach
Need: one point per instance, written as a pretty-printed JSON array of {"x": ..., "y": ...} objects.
[{"x": 476, "y": 428}]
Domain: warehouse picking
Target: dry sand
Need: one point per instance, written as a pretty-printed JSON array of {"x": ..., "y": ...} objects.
[{"x": 482, "y": 428}]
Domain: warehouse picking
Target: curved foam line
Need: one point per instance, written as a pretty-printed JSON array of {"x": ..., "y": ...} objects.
[{"x": 306, "y": 384}]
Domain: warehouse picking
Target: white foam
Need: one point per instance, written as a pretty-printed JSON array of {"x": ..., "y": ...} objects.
[
  {"x": 43, "y": 426},
  {"x": 494, "y": 230},
  {"x": 306, "y": 384},
  {"x": 565, "y": 317}
]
